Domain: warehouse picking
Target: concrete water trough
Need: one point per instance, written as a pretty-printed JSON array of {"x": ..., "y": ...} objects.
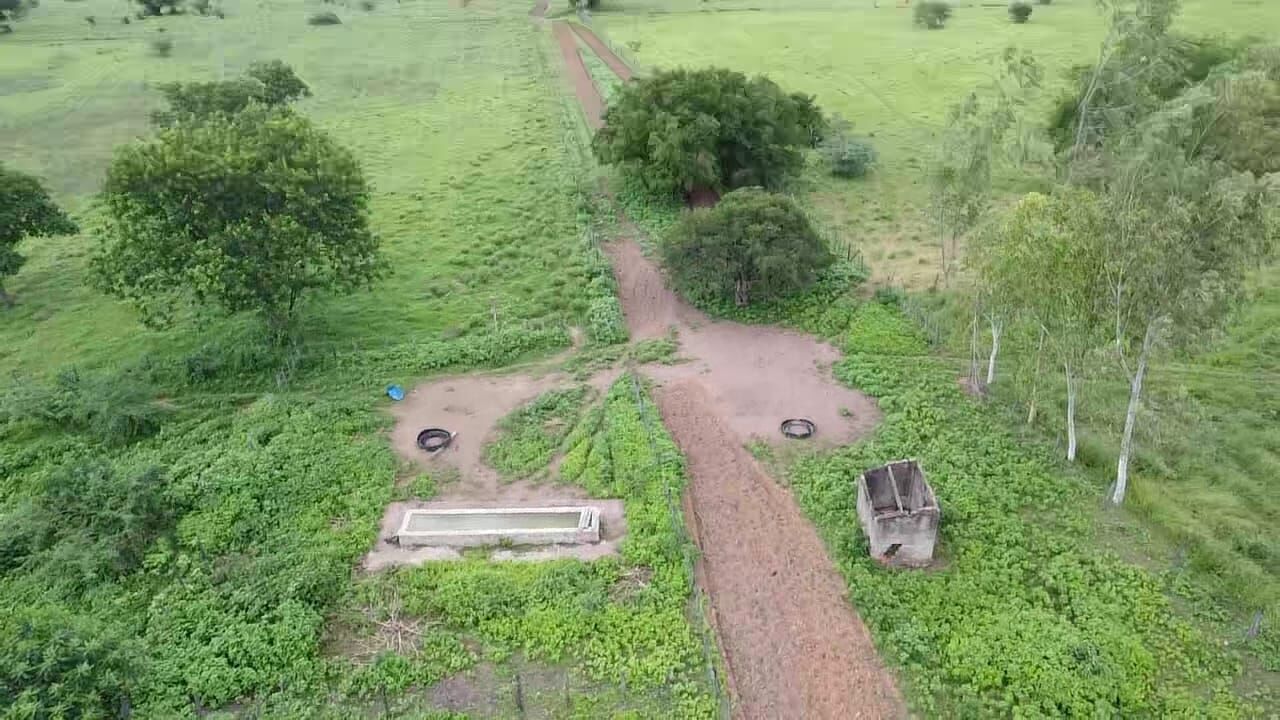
[
  {"x": 899, "y": 513},
  {"x": 473, "y": 527}
]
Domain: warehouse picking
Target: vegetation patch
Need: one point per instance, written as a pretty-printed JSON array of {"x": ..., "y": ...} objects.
[
  {"x": 1026, "y": 614},
  {"x": 529, "y": 437}
]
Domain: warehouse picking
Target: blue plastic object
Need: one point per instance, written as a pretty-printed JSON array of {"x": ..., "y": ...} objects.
[{"x": 395, "y": 392}]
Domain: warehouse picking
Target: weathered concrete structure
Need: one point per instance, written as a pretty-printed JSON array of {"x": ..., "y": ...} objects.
[
  {"x": 473, "y": 527},
  {"x": 899, "y": 513}
]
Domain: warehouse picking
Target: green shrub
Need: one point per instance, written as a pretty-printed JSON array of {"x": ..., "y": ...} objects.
[
  {"x": 848, "y": 155},
  {"x": 1020, "y": 11},
  {"x": 162, "y": 47},
  {"x": 324, "y": 18},
  {"x": 113, "y": 410},
  {"x": 753, "y": 246},
  {"x": 932, "y": 14}
]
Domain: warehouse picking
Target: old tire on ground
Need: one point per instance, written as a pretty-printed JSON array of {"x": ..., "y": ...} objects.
[
  {"x": 434, "y": 439},
  {"x": 798, "y": 428}
]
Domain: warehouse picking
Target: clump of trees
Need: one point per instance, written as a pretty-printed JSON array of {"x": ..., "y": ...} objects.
[
  {"x": 26, "y": 210},
  {"x": 10, "y": 11},
  {"x": 272, "y": 84},
  {"x": 1020, "y": 11},
  {"x": 156, "y": 8},
  {"x": 682, "y": 130},
  {"x": 1165, "y": 203},
  {"x": 753, "y": 246},
  {"x": 932, "y": 14}
]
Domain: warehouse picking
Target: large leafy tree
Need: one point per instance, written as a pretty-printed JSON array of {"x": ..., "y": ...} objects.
[
  {"x": 271, "y": 83},
  {"x": 249, "y": 212},
  {"x": 26, "y": 210},
  {"x": 684, "y": 129},
  {"x": 754, "y": 245}
]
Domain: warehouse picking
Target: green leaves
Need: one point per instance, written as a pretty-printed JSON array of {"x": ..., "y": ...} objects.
[
  {"x": 26, "y": 210},
  {"x": 713, "y": 128},
  {"x": 250, "y": 212},
  {"x": 752, "y": 246}
]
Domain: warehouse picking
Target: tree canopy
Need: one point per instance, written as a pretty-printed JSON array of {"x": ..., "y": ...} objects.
[
  {"x": 243, "y": 213},
  {"x": 26, "y": 210},
  {"x": 271, "y": 83},
  {"x": 684, "y": 129},
  {"x": 753, "y": 246}
]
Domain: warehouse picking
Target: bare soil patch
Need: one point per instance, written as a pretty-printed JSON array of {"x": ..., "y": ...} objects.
[
  {"x": 579, "y": 76},
  {"x": 605, "y": 53},
  {"x": 792, "y": 644}
]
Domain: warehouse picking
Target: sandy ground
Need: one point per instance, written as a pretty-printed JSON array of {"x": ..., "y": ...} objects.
[
  {"x": 604, "y": 52},
  {"x": 756, "y": 375},
  {"x": 583, "y": 87}
]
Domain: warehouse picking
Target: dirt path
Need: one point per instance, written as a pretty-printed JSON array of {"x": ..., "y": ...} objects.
[
  {"x": 583, "y": 87},
  {"x": 604, "y": 52},
  {"x": 792, "y": 644}
]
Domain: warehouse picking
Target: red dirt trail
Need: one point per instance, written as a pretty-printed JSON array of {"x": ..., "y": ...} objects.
[
  {"x": 605, "y": 53},
  {"x": 792, "y": 645}
]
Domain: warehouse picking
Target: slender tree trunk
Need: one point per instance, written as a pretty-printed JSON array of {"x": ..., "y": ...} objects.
[
  {"x": 997, "y": 326},
  {"x": 1071, "y": 413},
  {"x": 740, "y": 296},
  {"x": 973, "y": 349},
  {"x": 1035, "y": 380},
  {"x": 1131, "y": 416}
]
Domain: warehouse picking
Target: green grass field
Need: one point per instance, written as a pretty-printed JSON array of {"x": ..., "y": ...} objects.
[{"x": 892, "y": 80}]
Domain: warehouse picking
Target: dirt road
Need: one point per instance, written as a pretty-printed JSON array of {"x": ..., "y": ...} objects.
[{"x": 793, "y": 646}]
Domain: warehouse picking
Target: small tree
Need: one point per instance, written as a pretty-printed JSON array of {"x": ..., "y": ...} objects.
[
  {"x": 271, "y": 83},
  {"x": 932, "y": 14},
  {"x": 1020, "y": 11},
  {"x": 26, "y": 210},
  {"x": 848, "y": 155},
  {"x": 684, "y": 129},
  {"x": 753, "y": 246},
  {"x": 250, "y": 212},
  {"x": 1043, "y": 259}
]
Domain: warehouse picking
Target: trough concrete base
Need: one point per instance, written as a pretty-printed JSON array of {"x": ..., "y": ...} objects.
[
  {"x": 478, "y": 527},
  {"x": 388, "y": 552}
]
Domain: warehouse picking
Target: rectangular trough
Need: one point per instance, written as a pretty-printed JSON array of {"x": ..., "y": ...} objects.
[
  {"x": 471, "y": 527},
  {"x": 899, "y": 513}
]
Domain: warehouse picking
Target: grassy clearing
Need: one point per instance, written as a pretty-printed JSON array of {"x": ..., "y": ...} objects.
[
  {"x": 276, "y": 463},
  {"x": 894, "y": 81},
  {"x": 451, "y": 113}
]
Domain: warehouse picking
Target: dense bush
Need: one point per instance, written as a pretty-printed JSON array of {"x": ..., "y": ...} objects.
[
  {"x": 26, "y": 210},
  {"x": 932, "y": 14},
  {"x": 681, "y": 130},
  {"x": 753, "y": 246},
  {"x": 848, "y": 155},
  {"x": 324, "y": 18},
  {"x": 251, "y": 212},
  {"x": 112, "y": 409},
  {"x": 1020, "y": 11},
  {"x": 271, "y": 83}
]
